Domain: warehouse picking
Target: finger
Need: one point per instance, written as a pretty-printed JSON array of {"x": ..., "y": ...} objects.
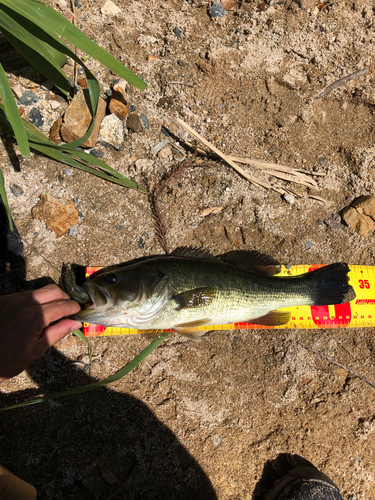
[
  {"x": 47, "y": 294},
  {"x": 46, "y": 314},
  {"x": 17, "y": 301},
  {"x": 54, "y": 333}
]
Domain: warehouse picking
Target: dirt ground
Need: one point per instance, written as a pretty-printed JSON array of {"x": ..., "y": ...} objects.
[{"x": 208, "y": 420}]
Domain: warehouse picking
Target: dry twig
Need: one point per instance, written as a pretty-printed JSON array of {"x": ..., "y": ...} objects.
[
  {"x": 340, "y": 365},
  {"x": 281, "y": 171},
  {"x": 340, "y": 82}
]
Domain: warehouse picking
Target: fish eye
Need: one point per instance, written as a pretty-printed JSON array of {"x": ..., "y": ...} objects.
[{"x": 111, "y": 279}]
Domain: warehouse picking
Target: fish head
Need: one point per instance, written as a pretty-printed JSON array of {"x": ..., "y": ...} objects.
[
  {"x": 113, "y": 287},
  {"x": 121, "y": 293}
]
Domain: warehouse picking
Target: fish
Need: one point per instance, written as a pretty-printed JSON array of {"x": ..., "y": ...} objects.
[{"x": 184, "y": 292}]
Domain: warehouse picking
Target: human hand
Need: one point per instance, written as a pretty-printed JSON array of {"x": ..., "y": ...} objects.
[{"x": 30, "y": 323}]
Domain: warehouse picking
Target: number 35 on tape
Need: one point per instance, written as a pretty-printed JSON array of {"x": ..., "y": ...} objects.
[{"x": 358, "y": 313}]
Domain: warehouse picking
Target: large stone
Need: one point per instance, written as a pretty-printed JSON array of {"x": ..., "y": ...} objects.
[
  {"x": 360, "y": 223},
  {"x": 365, "y": 205},
  {"x": 112, "y": 132},
  {"x": 77, "y": 120},
  {"x": 54, "y": 133},
  {"x": 59, "y": 215},
  {"x": 118, "y": 104}
]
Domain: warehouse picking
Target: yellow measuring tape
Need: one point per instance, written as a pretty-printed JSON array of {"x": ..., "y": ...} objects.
[{"x": 358, "y": 313}]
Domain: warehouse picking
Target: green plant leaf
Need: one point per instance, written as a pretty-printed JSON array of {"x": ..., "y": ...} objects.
[
  {"x": 4, "y": 198},
  {"x": 40, "y": 143},
  {"x": 53, "y": 22},
  {"x": 40, "y": 54},
  {"x": 12, "y": 113},
  {"x": 81, "y": 336},
  {"x": 113, "y": 378}
]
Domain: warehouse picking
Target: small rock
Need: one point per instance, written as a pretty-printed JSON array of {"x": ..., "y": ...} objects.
[
  {"x": 18, "y": 90},
  {"x": 78, "y": 118},
  {"x": 77, "y": 4},
  {"x": 181, "y": 63},
  {"x": 67, "y": 172},
  {"x": 112, "y": 132},
  {"x": 289, "y": 198},
  {"x": 160, "y": 145},
  {"x": 96, "y": 153},
  {"x": 132, "y": 108},
  {"x": 82, "y": 81},
  {"x": 16, "y": 190},
  {"x": 72, "y": 230},
  {"x": 365, "y": 205},
  {"x": 177, "y": 32},
  {"x": 108, "y": 92},
  {"x": 134, "y": 123},
  {"x": 360, "y": 223},
  {"x": 54, "y": 133},
  {"x": 110, "y": 9},
  {"x": 150, "y": 57},
  {"x": 63, "y": 102},
  {"x": 209, "y": 211},
  {"x": 59, "y": 215},
  {"x": 308, "y": 245},
  {"x": 165, "y": 152},
  {"x": 229, "y": 4},
  {"x": 144, "y": 121},
  {"x": 261, "y": 7},
  {"x": 217, "y": 10},
  {"x": 118, "y": 104},
  {"x": 141, "y": 243},
  {"x": 36, "y": 118},
  {"x": 333, "y": 221},
  {"x": 28, "y": 98},
  {"x": 54, "y": 104}
]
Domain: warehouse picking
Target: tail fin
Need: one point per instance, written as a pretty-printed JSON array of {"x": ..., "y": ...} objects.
[{"x": 332, "y": 284}]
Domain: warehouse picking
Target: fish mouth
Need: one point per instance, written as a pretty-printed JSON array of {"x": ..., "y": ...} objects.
[{"x": 100, "y": 298}]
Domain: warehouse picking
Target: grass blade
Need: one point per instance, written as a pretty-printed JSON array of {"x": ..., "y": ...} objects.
[
  {"x": 40, "y": 143},
  {"x": 46, "y": 17},
  {"x": 81, "y": 336},
  {"x": 12, "y": 113},
  {"x": 113, "y": 378},
  {"x": 4, "y": 198},
  {"x": 40, "y": 54}
]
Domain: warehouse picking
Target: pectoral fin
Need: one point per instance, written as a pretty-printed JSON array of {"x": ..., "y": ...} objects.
[
  {"x": 272, "y": 318},
  {"x": 194, "y": 298},
  {"x": 190, "y": 329}
]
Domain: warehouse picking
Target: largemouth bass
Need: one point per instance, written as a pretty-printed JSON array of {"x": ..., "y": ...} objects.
[{"x": 183, "y": 293}]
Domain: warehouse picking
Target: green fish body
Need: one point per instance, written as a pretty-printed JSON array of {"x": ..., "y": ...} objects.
[{"x": 183, "y": 293}]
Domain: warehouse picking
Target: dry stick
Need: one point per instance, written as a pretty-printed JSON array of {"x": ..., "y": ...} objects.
[
  {"x": 274, "y": 166},
  {"x": 238, "y": 169},
  {"x": 340, "y": 82},
  {"x": 261, "y": 164},
  {"x": 340, "y": 365}
]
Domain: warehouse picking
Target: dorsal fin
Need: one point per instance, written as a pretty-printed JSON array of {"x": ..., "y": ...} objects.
[
  {"x": 253, "y": 260},
  {"x": 197, "y": 253}
]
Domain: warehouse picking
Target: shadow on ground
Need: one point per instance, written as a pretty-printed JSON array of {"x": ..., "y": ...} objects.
[{"x": 98, "y": 445}]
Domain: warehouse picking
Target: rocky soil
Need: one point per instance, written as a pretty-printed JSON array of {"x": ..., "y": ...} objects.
[{"x": 204, "y": 420}]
